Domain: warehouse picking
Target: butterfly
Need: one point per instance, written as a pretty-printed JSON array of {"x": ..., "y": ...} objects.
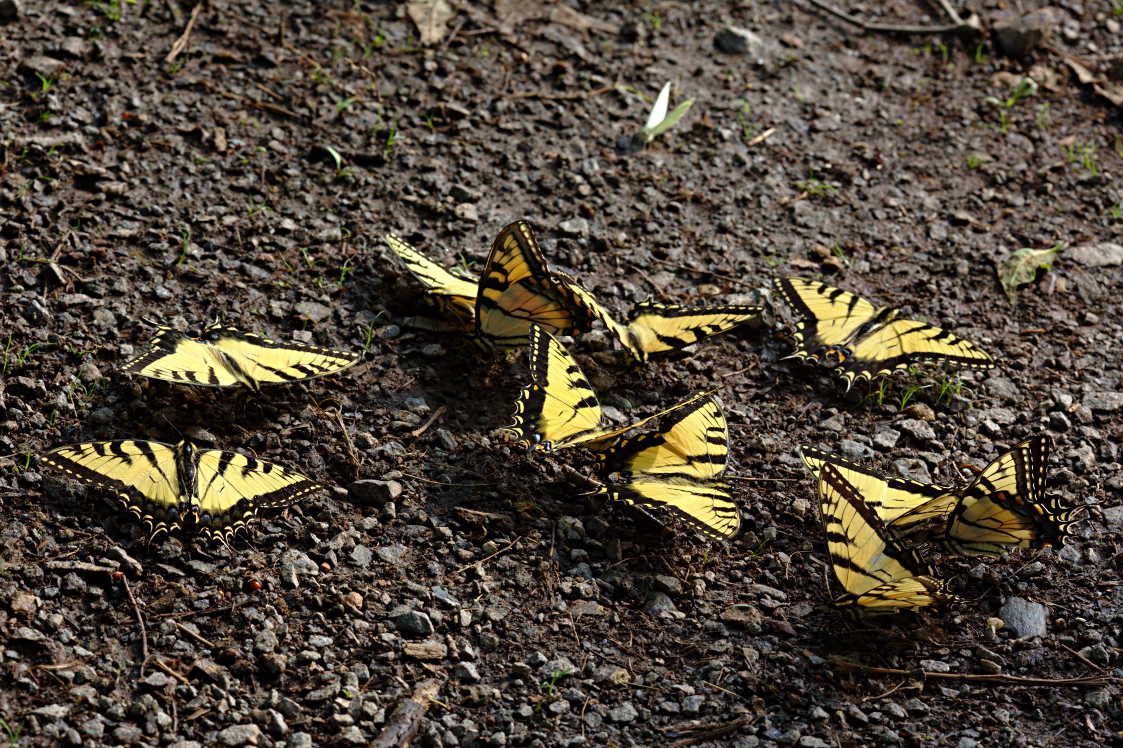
[
  {"x": 559, "y": 408},
  {"x": 172, "y": 486},
  {"x": 223, "y": 356},
  {"x": 877, "y": 573},
  {"x": 454, "y": 296},
  {"x": 860, "y": 341},
  {"x": 517, "y": 289},
  {"x": 675, "y": 471}
]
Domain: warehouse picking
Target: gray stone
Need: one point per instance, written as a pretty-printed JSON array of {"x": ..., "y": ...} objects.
[
  {"x": 361, "y": 556},
  {"x": 240, "y": 735},
  {"x": 300, "y": 740},
  {"x": 1002, "y": 388},
  {"x": 1113, "y": 517},
  {"x": 391, "y": 554},
  {"x": 625, "y": 713},
  {"x": 1096, "y": 255},
  {"x": 910, "y": 467},
  {"x": 666, "y": 583},
  {"x": 660, "y": 605},
  {"x": 377, "y": 492},
  {"x": 886, "y": 438},
  {"x": 466, "y": 672},
  {"x": 917, "y": 429},
  {"x": 853, "y": 450},
  {"x": 93, "y": 728},
  {"x": 1024, "y": 617},
  {"x": 574, "y": 227},
  {"x": 52, "y": 711},
  {"x": 735, "y": 40},
  {"x": 1018, "y": 36},
  {"x": 313, "y": 310},
  {"x": 413, "y": 623},
  {"x": 1104, "y": 402}
]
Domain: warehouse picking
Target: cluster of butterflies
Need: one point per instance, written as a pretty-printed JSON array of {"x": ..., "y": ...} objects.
[
  {"x": 213, "y": 492},
  {"x": 876, "y": 526}
]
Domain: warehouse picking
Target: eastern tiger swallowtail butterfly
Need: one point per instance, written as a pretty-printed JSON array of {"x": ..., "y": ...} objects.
[
  {"x": 1005, "y": 506},
  {"x": 877, "y": 573},
  {"x": 169, "y": 486},
  {"x": 223, "y": 356},
  {"x": 658, "y": 328},
  {"x": 517, "y": 290},
  {"x": 860, "y": 341},
  {"x": 559, "y": 408},
  {"x": 898, "y": 502},
  {"x": 454, "y": 296},
  {"x": 676, "y": 471}
]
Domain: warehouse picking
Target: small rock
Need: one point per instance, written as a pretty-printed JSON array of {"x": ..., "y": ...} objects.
[
  {"x": 467, "y": 212},
  {"x": 1024, "y": 617},
  {"x": 466, "y": 672},
  {"x": 376, "y": 492},
  {"x": 1018, "y": 37},
  {"x": 313, "y": 310},
  {"x": 735, "y": 40},
  {"x": 910, "y": 467},
  {"x": 886, "y": 438},
  {"x": 574, "y": 227},
  {"x": 1104, "y": 402},
  {"x": 9, "y": 10},
  {"x": 52, "y": 711},
  {"x": 917, "y": 429},
  {"x": 625, "y": 713},
  {"x": 430, "y": 649},
  {"x": 240, "y": 735},
  {"x": 352, "y": 600},
  {"x": 1096, "y": 255},
  {"x": 391, "y": 554},
  {"x": 1113, "y": 517},
  {"x": 853, "y": 450},
  {"x": 361, "y": 556},
  {"x": 660, "y": 605},
  {"x": 25, "y": 603},
  {"x": 40, "y": 65},
  {"x": 611, "y": 675},
  {"x": 413, "y": 623},
  {"x": 670, "y": 585},
  {"x": 920, "y": 411}
]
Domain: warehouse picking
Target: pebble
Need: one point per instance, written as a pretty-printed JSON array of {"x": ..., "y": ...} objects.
[
  {"x": 413, "y": 623},
  {"x": 574, "y": 227},
  {"x": 1104, "y": 402},
  {"x": 1096, "y": 255},
  {"x": 1024, "y": 617},
  {"x": 735, "y": 40},
  {"x": 1018, "y": 36},
  {"x": 886, "y": 438},
  {"x": 240, "y": 735},
  {"x": 624, "y": 713},
  {"x": 361, "y": 556},
  {"x": 853, "y": 450},
  {"x": 917, "y": 429},
  {"x": 9, "y": 10},
  {"x": 391, "y": 554},
  {"x": 376, "y": 492},
  {"x": 910, "y": 467},
  {"x": 466, "y": 672},
  {"x": 300, "y": 740},
  {"x": 660, "y": 605}
]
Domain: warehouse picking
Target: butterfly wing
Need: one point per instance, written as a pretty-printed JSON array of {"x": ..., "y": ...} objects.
[
  {"x": 257, "y": 360},
  {"x": 176, "y": 357},
  {"x": 828, "y": 316},
  {"x": 454, "y": 296},
  {"x": 559, "y": 407},
  {"x": 675, "y": 470},
  {"x": 594, "y": 308},
  {"x": 877, "y": 574},
  {"x": 898, "y": 502},
  {"x": 517, "y": 289},
  {"x": 144, "y": 476},
  {"x": 1005, "y": 506},
  {"x": 232, "y": 488},
  {"x": 901, "y": 342},
  {"x": 658, "y": 328}
]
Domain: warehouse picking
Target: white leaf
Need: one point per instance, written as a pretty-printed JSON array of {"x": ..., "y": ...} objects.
[{"x": 659, "y": 110}]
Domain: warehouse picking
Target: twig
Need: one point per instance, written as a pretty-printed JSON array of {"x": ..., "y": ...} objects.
[
  {"x": 762, "y": 137},
  {"x": 425, "y": 426},
  {"x": 405, "y": 721},
  {"x": 178, "y": 676},
  {"x": 696, "y": 733},
  {"x": 140, "y": 621},
  {"x": 352, "y": 455},
  {"x": 445, "y": 483},
  {"x": 1013, "y": 680},
  {"x": 889, "y": 28},
  {"x": 1081, "y": 657},
  {"x": 202, "y": 640},
  {"x": 181, "y": 42}
]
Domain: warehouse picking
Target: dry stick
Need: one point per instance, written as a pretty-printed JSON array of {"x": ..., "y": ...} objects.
[
  {"x": 425, "y": 426},
  {"x": 352, "y": 455},
  {"x": 504, "y": 549},
  {"x": 405, "y": 722},
  {"x": 139, "y": 620},
  {"x": 178, "y": 676},
  {"x": 202, "y": 640},
  {"x": 1013, "y": 680},
  {"x": 761, "y": 138},
  {"x": 698, "y": 733},
  {"x": 888, "y": 28},
  {"x": 181, "y": 42}
]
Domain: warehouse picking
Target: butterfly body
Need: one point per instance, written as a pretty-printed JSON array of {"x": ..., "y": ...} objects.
[
  {"x": 173, "y": 486},
  {"x": 224, "y": 356}
]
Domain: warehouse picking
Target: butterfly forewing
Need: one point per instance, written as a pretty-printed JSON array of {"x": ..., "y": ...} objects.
[{"x": 454, "y": 295}]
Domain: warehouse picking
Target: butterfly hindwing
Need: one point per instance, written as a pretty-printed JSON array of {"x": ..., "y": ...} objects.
[
  {"x": 675, "y": 471},
  {"x": 658, "y": 328},
  {"x": 453, "y": 295},
  {"x": 878, "y": 574},
  {"x": 861, "y": 341},
  {"x": 517, "y": 289},
  {"x": 224, "y": 356},
  {"x": 172, "y": 486}
]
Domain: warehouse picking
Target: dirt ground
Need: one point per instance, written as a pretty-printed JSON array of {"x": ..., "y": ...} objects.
[{"x": 251, "y": 176}]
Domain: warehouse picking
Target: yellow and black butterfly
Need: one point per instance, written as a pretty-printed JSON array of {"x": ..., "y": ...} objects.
[
  {"x": 559, "y": 408},
  {"x": 878, "y": 574},
  {"x": 898, "y": 502},
  {"x": 454, "y": 296},
  {"x": 1005, "y": 506},
  {"x": 655, "y": 328},
  {"x": 223, "y": 356},
  {"x": 861, "y": 341},
  {"x": 675, "y": 471},
  {"x": 517, "y": 290},
  {"x": 172, "y": 486}
]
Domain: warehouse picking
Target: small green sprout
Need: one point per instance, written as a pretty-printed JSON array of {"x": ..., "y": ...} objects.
[
  {"x": 908, "y": 394},
  {"x": 658, "y": 121},
  {"x": 550, "y": 684},
  {"x": 1025, "y": 88},
  {"x": 975, "y": 161},
  {"x": 184, "y": 245},
  {"x": 341, "y": 172},
  {"x": 815, "y": 187},
  {"x": 343, "y": 104}
]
